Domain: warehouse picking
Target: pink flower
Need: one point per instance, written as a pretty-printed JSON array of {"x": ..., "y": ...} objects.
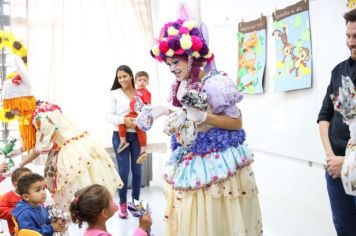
[
  {"x": 183, "y": 30},
  {"x": 197, "y": 43},
  {"x": 211, "y": 58},
  {"x": 163, "y": 46},
  {"x": 179, "y": 51}
]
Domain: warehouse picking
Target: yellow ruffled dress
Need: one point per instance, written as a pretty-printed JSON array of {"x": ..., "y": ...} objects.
[{"x": 74, "y": 160}]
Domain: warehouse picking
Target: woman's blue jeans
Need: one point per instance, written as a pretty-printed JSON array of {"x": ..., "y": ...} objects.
[{"x": 124, "y": 159}]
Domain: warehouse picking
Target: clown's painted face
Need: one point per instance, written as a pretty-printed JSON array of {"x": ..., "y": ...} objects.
[{"x": 178, "y": 66}]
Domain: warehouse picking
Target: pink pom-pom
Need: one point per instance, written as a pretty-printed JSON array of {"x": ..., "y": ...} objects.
[
  {"x": 179, "y": 52},
  {"x": 183, "y": 30},
  {"x": 211, "y": 58},
  {"x": 197, "y": 43},
  {"x": 163, "y": 46}
]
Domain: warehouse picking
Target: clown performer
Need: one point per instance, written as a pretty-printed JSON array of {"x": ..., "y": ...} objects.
[
  {"x": 345, "y": 103},
  {"x": 74, "y": 159},
  {"x": 211, "y": 187}
]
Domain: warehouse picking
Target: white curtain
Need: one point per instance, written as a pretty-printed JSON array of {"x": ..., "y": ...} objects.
[{"x": 74, "y": 48}]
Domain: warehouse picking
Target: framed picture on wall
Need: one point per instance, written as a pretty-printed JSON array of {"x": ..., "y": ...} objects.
[
  {"x": 251, "y": 38},
  {"x": 293, "y": 47}
]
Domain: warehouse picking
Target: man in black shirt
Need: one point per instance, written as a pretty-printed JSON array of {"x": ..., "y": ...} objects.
[{"x": 335, "y": 134}]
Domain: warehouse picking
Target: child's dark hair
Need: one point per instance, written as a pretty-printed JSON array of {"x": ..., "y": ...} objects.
[
  {"x": 88, "y": 203},
  {"x": 18, "y": 172},
  {"x": 24, "y": 183},
  {"x": 142, "y": 73}
]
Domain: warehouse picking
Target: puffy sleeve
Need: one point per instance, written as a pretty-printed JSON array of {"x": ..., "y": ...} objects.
[
  {"x": 222, "y": 95},
  {"x": 45, "y": 131}
]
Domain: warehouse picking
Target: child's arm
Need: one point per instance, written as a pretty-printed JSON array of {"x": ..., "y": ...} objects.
[
  {"x": 27, "y": 221},
  {"x": 145, "y": 225},
  {"x": 148, "y": 101},
  {"x": 5, "y": 210}
]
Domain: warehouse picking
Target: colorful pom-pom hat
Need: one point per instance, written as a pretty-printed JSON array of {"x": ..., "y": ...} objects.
[{"x": 182, "y": 37}]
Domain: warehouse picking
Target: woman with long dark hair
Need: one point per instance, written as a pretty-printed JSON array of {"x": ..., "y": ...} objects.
[{"x": 122, "y": 92}]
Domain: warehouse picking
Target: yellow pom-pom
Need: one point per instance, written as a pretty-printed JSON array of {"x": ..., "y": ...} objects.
[
  {"x": 170, "y": 53},
  {"x": 155, "y": 49},
  {"x": 186, "y": 41},
  {"x": 190, "y": 24},
  {"x": 208, "y": 55},
  {"x": 196, "y": 54},
  {"x": 172, "y": 31}
]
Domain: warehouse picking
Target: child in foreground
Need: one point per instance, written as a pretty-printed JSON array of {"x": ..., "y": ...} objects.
[{"x": 82, "y": 210}]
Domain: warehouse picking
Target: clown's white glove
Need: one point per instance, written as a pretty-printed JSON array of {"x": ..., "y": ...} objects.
[
  {"x": 196, "y": 116},
  {"x": 352, "y": 128},
  {"x": 158, "y": 111}
]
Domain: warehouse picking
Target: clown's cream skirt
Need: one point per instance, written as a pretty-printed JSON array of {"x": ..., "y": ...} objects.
[{"x": 229, "y": 208}]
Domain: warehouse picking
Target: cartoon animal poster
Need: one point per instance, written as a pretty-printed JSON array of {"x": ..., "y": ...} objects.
[
  {"x": 293, "y": 47},
  {"x": 251, "y": 38}
]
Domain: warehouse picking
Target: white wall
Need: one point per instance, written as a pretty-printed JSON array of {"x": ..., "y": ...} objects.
[{"x": 293, "y": 193}]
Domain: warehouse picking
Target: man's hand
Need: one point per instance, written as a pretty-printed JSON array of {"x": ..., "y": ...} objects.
[{"x": 334, "y": 164}]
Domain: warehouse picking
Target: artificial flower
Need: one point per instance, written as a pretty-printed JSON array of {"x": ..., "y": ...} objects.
[
  {"x": 208, "y": 55},
  {"x": 183, "y": 30},
  {"x": 195, "y": 54},
  {"x": 186, "y": 41},
  {"x": 155, "y": 49},
  {"x": 190, "y": 24},
  {"x": 169, "y": 53},
  {"x": 2, "y": 39},
  {"x": 174, "y": 43},
  {"x": 197, "y": 43},
  {"x": 172, "y": 31},
  {"x": 163, "y": 46}
]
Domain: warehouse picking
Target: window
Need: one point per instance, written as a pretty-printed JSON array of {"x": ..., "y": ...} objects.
[{"x": 12, "y": 18}]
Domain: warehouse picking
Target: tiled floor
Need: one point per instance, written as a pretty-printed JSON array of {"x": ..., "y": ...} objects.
[{"x": 119, "y": 227}]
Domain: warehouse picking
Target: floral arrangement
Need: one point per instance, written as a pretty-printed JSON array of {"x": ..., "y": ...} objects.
[
  {"x": 57, "y": 214},
  {"x": 345, "y": 102},
  {"x": 181, "y": 37},
  {"x": 351, "y": 4},
  {"x": 6, "y": 150},
  {"x": 8, "y": 40}
]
